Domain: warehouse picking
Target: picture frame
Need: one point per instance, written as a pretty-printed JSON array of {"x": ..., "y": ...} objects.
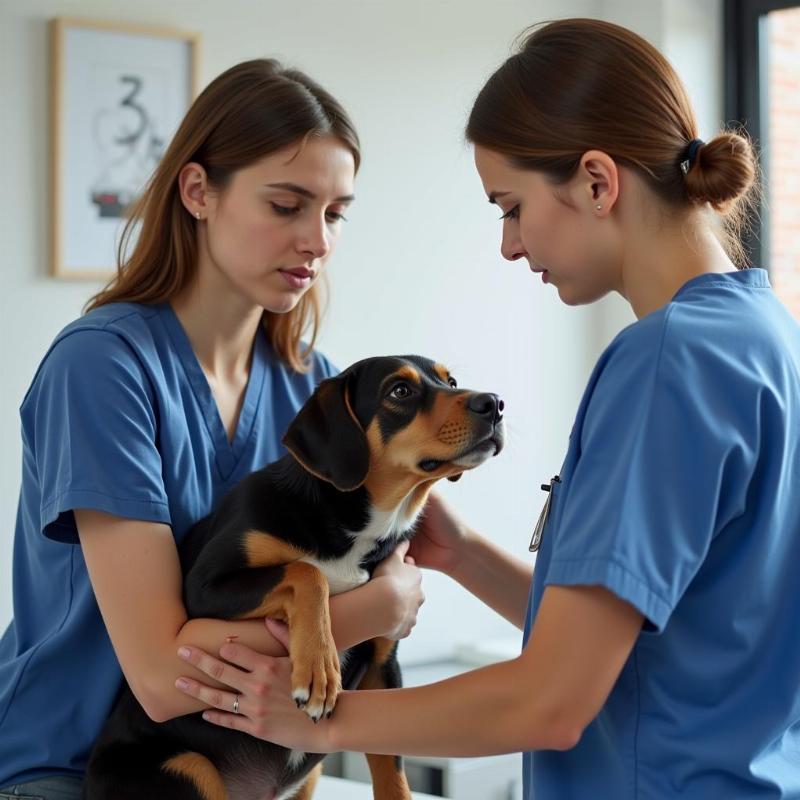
[{"x": 118, "y": 93}]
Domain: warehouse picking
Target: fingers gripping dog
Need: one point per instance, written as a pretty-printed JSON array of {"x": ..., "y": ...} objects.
[{"x": 363, "y": 453}]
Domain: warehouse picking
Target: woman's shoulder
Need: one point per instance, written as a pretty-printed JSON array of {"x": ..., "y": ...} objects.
[
  {"x": 128, "y": 319},
  {"x": 112, "y": 338},
  {"x": 681, "y": 336},
  {"x": 693, "y": 350},
  {"x": 132, "y": 323},
  {"x": 661, "y": 354}
]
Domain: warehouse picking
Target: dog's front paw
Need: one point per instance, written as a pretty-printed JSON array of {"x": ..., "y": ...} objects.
[{"x": 316, "y": 676}]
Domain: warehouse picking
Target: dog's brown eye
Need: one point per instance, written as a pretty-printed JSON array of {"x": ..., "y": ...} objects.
[
  {"x": 452, "y": 382},
  {"x": 400, "y": 391}
]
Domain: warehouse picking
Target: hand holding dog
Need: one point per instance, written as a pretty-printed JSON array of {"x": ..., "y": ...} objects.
[
  {"x": 263, "y": 686},
  {"x": 403, "y": 581},
  {"x": 440, "y": 538}
]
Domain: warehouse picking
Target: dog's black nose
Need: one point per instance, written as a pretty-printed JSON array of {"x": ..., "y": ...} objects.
[{"x": 486, "y": 405}]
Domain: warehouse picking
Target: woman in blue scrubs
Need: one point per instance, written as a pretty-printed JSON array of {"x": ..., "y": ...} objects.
[
  {"x": 179, "y": 381},
  {"x": 661, "y": 653}
]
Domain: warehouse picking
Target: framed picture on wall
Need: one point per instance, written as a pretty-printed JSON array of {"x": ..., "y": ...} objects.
[{"x": 118, "y": 94}]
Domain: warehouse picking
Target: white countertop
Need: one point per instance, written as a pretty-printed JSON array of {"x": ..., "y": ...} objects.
[{"x": 340, "y": 789}]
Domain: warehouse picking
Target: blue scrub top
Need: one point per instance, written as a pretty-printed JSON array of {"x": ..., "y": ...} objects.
[
  {"x": 680, "y": 493},
  {"x": 119, "y": 418}
]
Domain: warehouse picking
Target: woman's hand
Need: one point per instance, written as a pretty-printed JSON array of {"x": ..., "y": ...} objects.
[
  {"x": 441, "y": 536},
  {"x": 403, "y": 582},
  {"x": 260, "y": 692}
]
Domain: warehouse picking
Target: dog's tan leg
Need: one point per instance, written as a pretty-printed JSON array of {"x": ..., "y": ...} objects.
[
  {"x": 200, "y": 772},
  {"x": 388, "y": 778},
  {"x": 306, "y": 791},
  {"x": 301, "y": 599}
]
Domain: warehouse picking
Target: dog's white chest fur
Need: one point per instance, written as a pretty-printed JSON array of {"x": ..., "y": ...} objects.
[{"x": 346, "y": 573}]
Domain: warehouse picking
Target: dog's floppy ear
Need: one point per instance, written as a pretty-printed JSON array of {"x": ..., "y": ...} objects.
[{"x": 326, "y": 438}]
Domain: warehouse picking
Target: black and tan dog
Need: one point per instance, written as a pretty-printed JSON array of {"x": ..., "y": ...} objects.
[{"x": 364, "y": 452}]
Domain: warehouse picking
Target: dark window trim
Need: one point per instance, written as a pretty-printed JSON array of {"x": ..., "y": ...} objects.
[{"x": 742, "y": 80}]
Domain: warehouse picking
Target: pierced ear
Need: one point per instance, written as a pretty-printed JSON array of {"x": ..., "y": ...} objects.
[
  {"x": 600, "y": 174},
  {"x": 326, "y": 438},
  {"x": 193, "y": 186},
  {"x": 454, "y": 478}
]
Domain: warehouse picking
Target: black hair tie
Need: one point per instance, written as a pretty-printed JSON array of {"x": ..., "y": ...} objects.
[{"x": 691, "y": 154}]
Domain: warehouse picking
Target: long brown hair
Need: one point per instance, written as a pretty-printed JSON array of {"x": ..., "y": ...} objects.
[
  {"x": 582, "y": 84},
  {"x": 251, "y": 110}
]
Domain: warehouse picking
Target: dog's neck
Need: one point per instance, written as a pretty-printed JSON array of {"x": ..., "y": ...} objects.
[
  {"x": 356, "y": 509},
  {"x": 394, "y": 523}
]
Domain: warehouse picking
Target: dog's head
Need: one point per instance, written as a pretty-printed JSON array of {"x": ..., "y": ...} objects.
[{"x": 392, "y": 423}]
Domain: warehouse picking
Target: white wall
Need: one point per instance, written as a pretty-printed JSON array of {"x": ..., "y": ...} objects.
[{"x": 418, "y": 269}]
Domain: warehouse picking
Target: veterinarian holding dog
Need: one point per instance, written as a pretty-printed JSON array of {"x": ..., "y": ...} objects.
[
  {"x": 660, "y": 655},
  {"x": 180, "y": 380}
]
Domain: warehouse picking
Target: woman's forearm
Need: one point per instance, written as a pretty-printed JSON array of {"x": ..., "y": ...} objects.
[
  {"x": 499, "y": 579},
  {"x": 361, "y": 614},
  {"x": 478, "y": 713},
  {"x": 349, "y": 623},
  {"x": 163, "y": 701}
]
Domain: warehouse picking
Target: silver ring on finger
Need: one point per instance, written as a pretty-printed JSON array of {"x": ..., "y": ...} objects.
[{"x": 236, "y": 704}]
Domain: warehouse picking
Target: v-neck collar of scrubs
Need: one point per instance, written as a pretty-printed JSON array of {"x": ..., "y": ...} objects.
[{"x": 228, "y": 452}]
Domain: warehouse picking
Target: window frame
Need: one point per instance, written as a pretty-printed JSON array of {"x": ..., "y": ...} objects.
[{"x": 743, "y": 92}]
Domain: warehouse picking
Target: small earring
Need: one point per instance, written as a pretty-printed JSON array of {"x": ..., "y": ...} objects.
[
  {"x": 197, "y": 214},
  {"x": 599, "y": 207}
]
